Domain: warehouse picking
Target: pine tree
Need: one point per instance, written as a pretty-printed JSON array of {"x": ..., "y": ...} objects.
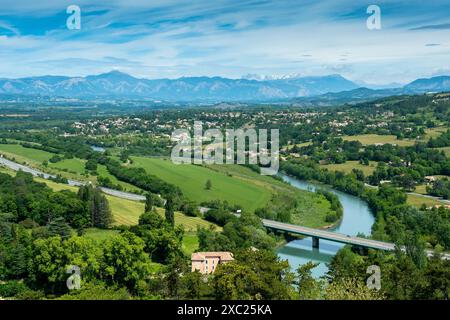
[
  {"x": 208, "y": 185},
  {"x": 58, "y": 226}
]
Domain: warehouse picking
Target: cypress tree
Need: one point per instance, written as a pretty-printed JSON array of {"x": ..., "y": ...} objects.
[
  {"x": 148, "y": 202},
  {"x": 170, "y": 215}
]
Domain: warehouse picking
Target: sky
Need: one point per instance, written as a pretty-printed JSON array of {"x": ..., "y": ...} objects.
[{"x": 229, "y": 38}]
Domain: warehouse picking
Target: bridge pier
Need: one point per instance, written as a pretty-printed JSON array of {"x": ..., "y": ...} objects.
[{"x": 315, "y": 243}]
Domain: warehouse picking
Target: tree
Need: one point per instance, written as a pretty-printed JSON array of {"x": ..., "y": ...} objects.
[
  {"x": 351, "y": 289},
  {"x": 208, "y": 185},
  {"x": 58, "y": 226},
  {"x": 94, "y": 291},
  {"x": 48, "y": 264},
  {"x": 91, "y": 165},
  {"x": 235, "y": 281},
  {"x": 97, "y": 205},
  {"x": 162, "y": 242},
  {"x": 255, "y": 274},
  {"x": 173, "y": 279},
  {"x": 148, "y": 202},
  {"x": 193, "y": 285},
  {"x": 308, "y": 287},
  {"x": 170, "y": 214},
  {"x": 125, "y": 262},
  {"x": 151, "y": 220},
  {"x": 101, "y": 213}
]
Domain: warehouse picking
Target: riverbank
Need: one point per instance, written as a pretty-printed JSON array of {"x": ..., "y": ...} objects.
[{"x": 357, "y": 218}]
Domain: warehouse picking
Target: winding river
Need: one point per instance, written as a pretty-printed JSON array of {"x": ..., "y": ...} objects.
[{"x": 357, "y": 219}]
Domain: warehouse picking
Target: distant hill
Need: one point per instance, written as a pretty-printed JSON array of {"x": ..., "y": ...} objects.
[
  {"x": 118, "y": 84},
  {"x": 420, "y": 86},
  {"x": 320, "y": 90},
  {"x": 436, "y": 84}
]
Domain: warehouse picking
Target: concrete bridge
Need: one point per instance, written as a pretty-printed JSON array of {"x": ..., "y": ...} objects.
[{"x": 317, "y": 234}]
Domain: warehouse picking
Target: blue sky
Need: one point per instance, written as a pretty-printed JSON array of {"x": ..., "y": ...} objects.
[{"x": 230, "y": 38}]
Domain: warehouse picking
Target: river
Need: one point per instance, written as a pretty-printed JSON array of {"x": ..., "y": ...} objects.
[{"x": 357, "y": 219}]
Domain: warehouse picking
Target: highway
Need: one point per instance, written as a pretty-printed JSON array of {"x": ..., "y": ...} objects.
[{"x": 120, "y": 194}]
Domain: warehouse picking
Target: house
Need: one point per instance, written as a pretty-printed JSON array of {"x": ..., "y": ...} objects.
[
  {"x": 430, "y": 179},
  {"x": 207, "y": 262}
]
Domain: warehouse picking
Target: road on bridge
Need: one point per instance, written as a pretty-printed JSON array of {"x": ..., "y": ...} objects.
[{"x": 337, "y": 237}]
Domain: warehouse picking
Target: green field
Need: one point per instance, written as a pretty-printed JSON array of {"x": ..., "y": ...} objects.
[
  {"x": 311, "y": 208},
  {"x": 348, "y": 166},
  {"x": 434, "y": 132},
  {"x": 56, "y": 186},
  {"x": 192, "y": 179},
  {"x": 127, "y": 212},
  {"x": 418, "y": 201},
  {"x": 22, "y": 154},
  {"x": 190, "y": 243},
  {"x": 421, "y": 188},
  {"x": 74, "y": 165},
  {"x": 369, "y": 139}
]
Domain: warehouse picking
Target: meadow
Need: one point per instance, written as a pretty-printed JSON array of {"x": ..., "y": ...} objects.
[
  {"x": 418, "y": 201},
  {"x": 75, "y": 166},
  {"x": 369, "y": 139},
  {"x": 192, "y": 179},
  {"x": 22, "y": 154},
  {"x": 348, "y": 166}
]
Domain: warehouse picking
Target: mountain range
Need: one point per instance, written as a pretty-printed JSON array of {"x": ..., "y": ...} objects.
[{"x": 116, "y": 84}]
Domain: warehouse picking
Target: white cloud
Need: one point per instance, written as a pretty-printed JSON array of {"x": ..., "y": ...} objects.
[{"x": 227, "y": 38}]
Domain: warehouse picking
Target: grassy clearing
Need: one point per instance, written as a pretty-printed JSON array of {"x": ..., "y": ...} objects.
[
  {"x": 74, "y": 165},
  {"x": 311, "y": 208},
  {"x": 434, "y": 132},
  {"x": 100, "y": 234},
  {"x": 369, "y": 139},
  {"x": 191, "y": 179},
  {"x": 418, "y": 201},
  {"x": 22, "y": 154},
  {"x": 304, "y": 144},
  {"x": 421, "y": 188},
  {"x": 56, "y": 186},
  {"x": 127, "y": 212},
  {"x": 348, "y": 166},
  {"x": 190, "y": 243}
]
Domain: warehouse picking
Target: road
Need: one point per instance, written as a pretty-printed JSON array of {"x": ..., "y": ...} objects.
[
  {"x": 120, "y": 194},
  {"x": 336, "y": 237}
]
